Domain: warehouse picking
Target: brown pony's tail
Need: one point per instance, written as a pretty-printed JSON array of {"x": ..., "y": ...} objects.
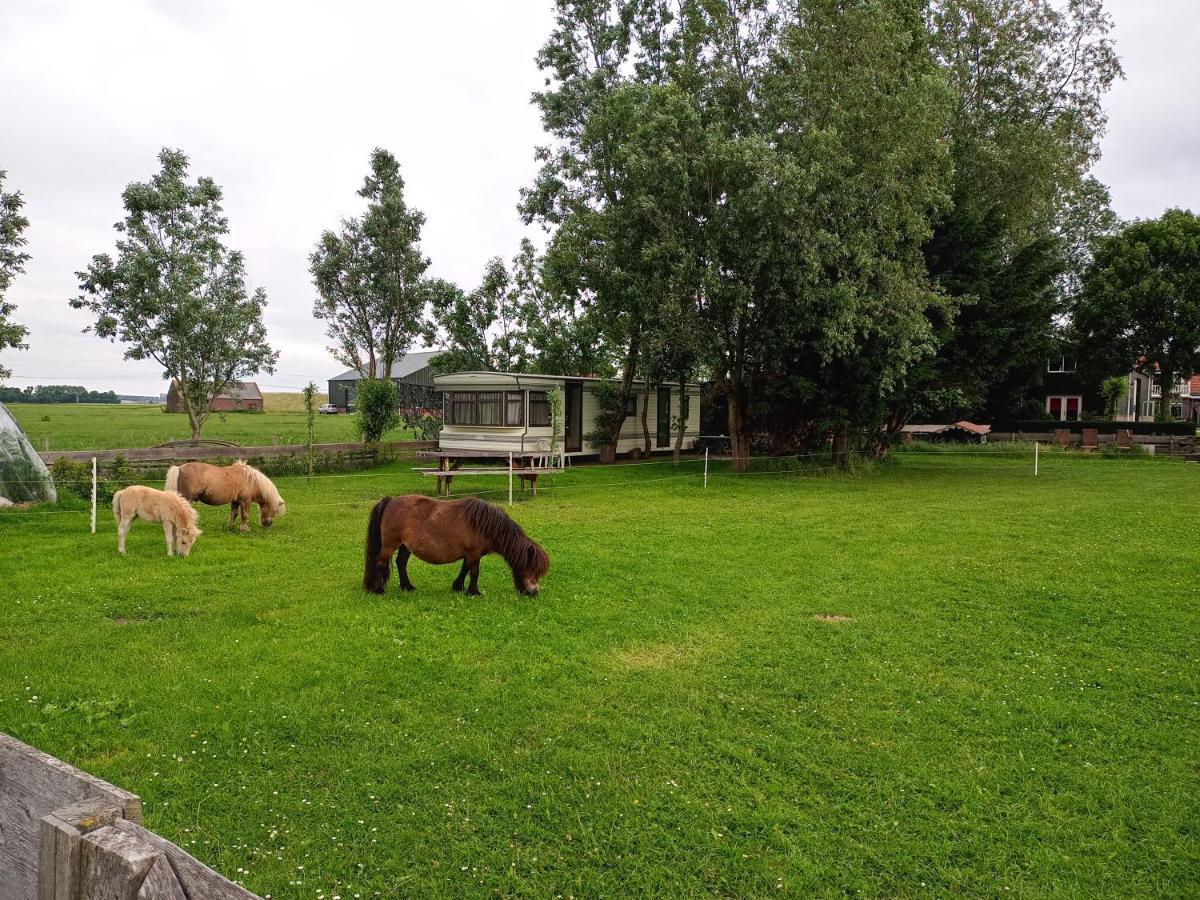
[{"x": 375, "y": 574}]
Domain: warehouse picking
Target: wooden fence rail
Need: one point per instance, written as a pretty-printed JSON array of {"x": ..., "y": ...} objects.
[
  {"x": 179, "y": 454},
  {"x": 66, "y": 835}
]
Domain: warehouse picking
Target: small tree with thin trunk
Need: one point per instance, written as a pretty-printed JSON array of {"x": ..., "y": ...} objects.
[
  {"x": 1111, "y": 390},
  {"x": 175, "y": 293},
  {"x": 310, "y": 420}
]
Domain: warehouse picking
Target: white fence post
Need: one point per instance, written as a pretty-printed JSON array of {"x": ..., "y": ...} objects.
[
  {"x": 1035, "y": 459},
  {"x": 510, "y": 478},
  {"x": 93, "y": 495},
  {"x": 706, "y": 466}
]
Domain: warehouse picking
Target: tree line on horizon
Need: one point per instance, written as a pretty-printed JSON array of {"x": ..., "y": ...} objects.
[
  {"x": 842, "y": 213},
  {"x": 56, "y": 393}
]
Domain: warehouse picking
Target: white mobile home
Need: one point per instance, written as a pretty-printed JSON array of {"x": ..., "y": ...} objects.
[{"x": 507, "y": 412}]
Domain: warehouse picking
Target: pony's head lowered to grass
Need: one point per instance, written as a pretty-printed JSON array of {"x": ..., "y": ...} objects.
[
  {"x": 187, "y": 529},
  {"x": 528, "y": 561},
  {"x": 270, "y": 501}
]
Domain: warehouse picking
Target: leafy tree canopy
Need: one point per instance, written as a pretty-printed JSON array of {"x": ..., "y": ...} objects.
[
  {"x": 175, "y": 293},
  {"x": 369, "y": 275},
  {"x": 1140, "y": 301},
  {"x": 12, "y": 263}
]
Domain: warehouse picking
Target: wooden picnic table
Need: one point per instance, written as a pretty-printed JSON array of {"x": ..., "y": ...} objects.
[{"x": 450, "y": 462}]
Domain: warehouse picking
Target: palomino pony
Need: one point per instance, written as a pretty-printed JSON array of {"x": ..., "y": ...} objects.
[
  {"x": 446, "y": 531},
  {"x": 177, "y": 516},
  {"x": 238, "y": 485}
]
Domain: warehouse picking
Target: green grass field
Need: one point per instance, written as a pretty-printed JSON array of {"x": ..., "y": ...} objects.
[
  {"x": 86, "y": 426},
  {"x": 1010, "y": 706}
]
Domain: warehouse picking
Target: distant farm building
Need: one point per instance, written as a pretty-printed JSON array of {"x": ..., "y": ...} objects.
[
  {"x": 411, "y": 374},
  {"x": 242, "y": 396}
]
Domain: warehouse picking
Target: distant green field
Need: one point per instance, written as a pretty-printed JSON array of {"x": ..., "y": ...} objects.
[
  {"x": 84, "y": 426},
  {"x": 940, "y": 678}
]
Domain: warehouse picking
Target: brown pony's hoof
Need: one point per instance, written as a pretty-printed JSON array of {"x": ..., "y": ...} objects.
[
  {"x": 457, "y": 588},
  {"x": 474, "y": 593},
  {"x": 408, "y": 587}
]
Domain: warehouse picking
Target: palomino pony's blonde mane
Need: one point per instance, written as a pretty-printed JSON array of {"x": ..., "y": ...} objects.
[
  {"x": 186, "y": 516},
  {"x": 255, "y": 481}
]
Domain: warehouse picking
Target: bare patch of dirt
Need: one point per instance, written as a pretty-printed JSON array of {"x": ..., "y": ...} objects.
[{"x": 829, "y": 617}]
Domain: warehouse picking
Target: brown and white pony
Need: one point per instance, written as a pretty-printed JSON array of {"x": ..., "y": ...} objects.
[
  {"x": 446, "y": 531},
  {"x": 149, "y": 504},
  {"x": 238, "y": 485}
]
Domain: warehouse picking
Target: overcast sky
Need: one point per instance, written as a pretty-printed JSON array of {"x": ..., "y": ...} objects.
[{"x": 282, "y": 102}]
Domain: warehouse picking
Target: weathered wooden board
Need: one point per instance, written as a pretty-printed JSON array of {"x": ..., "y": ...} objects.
[
  {"x": 187, "y": 454},
  {"x": 61, "y": 845},
  {"x": 32, "y": 785},
  {"x": 114, "y": 864},
  {"x": 198, "y": 880},
  {"x": 161, "y": 883}
]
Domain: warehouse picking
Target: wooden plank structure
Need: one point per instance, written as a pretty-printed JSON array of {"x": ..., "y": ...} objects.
[
  {"x": 66, "y": 835},
  {"x": 526, "y": 466},
  {"x": 178, "y": 453}
]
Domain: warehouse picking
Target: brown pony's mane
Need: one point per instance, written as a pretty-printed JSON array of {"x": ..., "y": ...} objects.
[{"x": 523, "y": 555}]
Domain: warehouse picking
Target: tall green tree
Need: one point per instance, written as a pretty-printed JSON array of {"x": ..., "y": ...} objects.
[
  {"x": 12, "y": 264},
  {"x": 369, "y": 276},
  {"x": 175, "y": 293},
  {"x": 776, "y": 161},
  {"x": 1140, "y": 302},
  {"x": 1028, "y": 78}
]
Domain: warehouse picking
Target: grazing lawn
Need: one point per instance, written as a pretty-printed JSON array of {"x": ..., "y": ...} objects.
[
  {"x": 99, "y": 426},
  {"x": 941, "y": 677}
]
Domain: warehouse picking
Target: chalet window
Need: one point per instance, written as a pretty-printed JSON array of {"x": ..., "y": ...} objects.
[
  {"x": 539, "y": 409},
  {"x": 463, "y": 410},
  {"x": 631, "y": 405},
  {"x": 1060, "y": 364},
  {"x": 491, "y": 408},
  {"x": 514, "y": 408}
]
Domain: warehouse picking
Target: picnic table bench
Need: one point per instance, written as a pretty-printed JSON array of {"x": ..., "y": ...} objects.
[{"x": 526, "y": 466}]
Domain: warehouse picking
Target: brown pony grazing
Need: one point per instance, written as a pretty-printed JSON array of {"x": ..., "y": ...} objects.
[
  {"x": 446, "y": 531},
  {"x": 177, "y": 516},
  {"x": 238, "y": 485}
]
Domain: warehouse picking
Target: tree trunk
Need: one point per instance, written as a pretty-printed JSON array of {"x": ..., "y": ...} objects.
[
  {"x": 608, "y": 452},
  {"x": 883, "y": 442},
  {"x": 1166, "y": 388},
  {"x": 194, "y": 420},
  {"x": 841, "y": 445},
  {"x": 682, "y": 423},
  {"x": 646, "y": 417},
  {"x": 739, "y": 432}
]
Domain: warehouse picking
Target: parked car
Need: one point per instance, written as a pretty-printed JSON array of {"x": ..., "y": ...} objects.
[{"x": 328, "y": 409}]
